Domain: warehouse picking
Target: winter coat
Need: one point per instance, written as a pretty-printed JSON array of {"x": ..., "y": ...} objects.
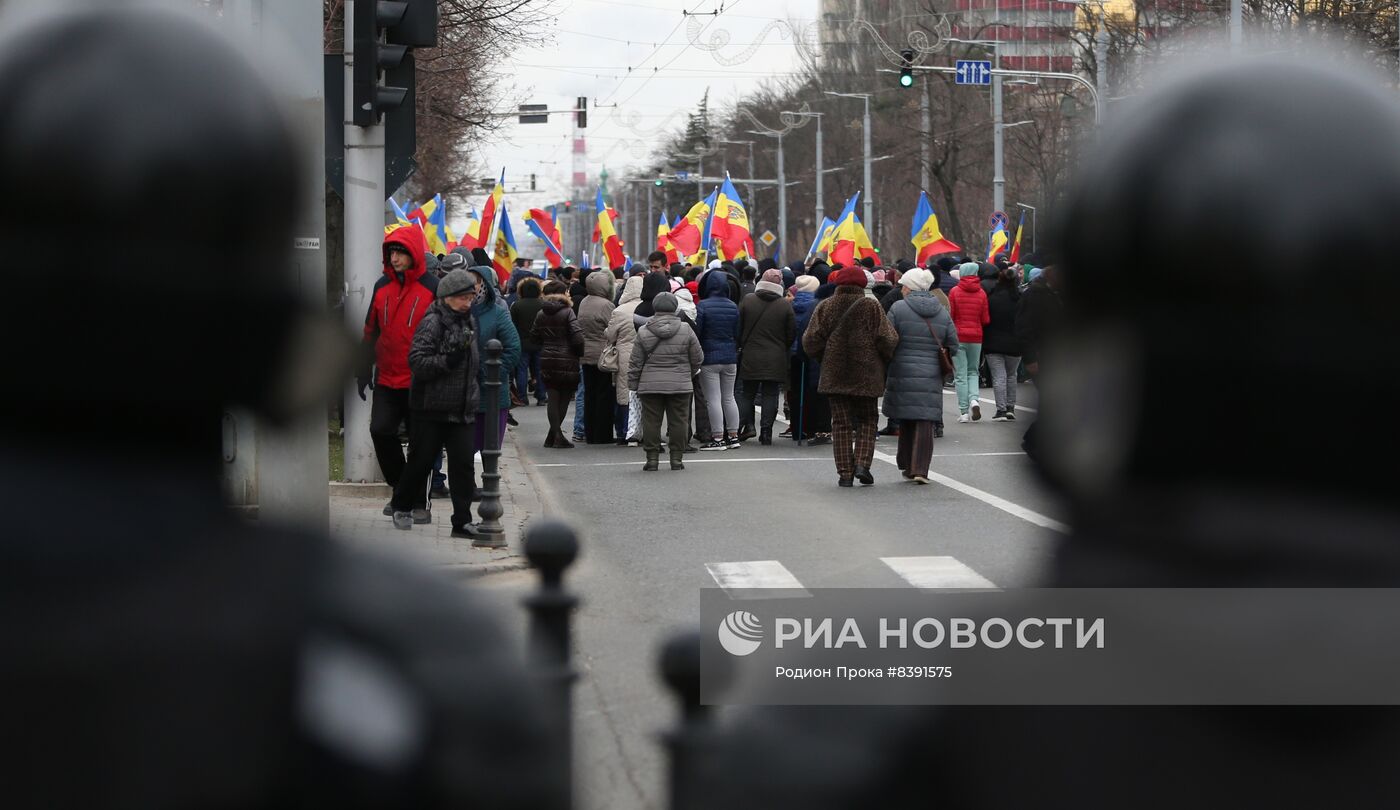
[
  {"x": 557, "y": 331},
  {"x": 914, "y": 386},
  {"x": 999, "y": 337},
  {"x": 594, "y": 314},
  {"x": 969, "y": 307},
  {"x": 652, "y": 285},
  {"x": 717, "y": 320},
  {"x": 803, "y": 304},
  {"x": 665, "y": 357},
  {"x": 767, "y": 328},
  {"x": 396, "y": 307},
  {"x": 440, "y": 391},
  {"x": 493, "y": 322},
  {"x": 853, "y": 349},
  {"x": 1037, "y": 315},
  {"x": 522, "y": 314},
  {"x": 621, "y": 333}
]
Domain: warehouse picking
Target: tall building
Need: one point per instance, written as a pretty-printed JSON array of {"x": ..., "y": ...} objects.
[{"x": 1035, "y": 34}]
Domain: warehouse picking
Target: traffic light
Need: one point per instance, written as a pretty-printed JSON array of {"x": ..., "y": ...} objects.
[
  {"x": 532, "y": 182},
  {"x": 382, "y": 33},
  {"x": 659, "y": 183},
  {"x": 906, "y": 74},
  {"x": 581, "y": 112}
]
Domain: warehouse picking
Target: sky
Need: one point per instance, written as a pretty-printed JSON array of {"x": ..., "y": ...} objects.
[{"x": 595, "y": 42}]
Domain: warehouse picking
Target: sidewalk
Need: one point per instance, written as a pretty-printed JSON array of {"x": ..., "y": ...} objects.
[{"x": 357, "y": 518}]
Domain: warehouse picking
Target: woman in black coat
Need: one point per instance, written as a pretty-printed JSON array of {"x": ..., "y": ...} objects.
[
  {"x": 1000, "y": 346},
  {"x": 557, "y": 331}
]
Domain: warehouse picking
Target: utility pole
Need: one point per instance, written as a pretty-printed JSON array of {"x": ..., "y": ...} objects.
[
  {"x": 364, "y": 231},
  {"x": 925, "y": 139},
  {"x": 869, "y": 203},
  {"x": 651, "y": 213},
  {"x": 1101, "y": 57},
  {"x": 1236, "y": 26},
  {"x": 782, "y": 186},
  {"x": 821, "y": 209}
]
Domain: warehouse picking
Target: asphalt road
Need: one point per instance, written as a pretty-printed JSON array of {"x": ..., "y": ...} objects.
[{"x": 755, "y": 517}]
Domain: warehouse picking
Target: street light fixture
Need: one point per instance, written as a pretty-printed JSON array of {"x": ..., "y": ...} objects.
[
  {"x": 868, "y": 183},
  {"x": 998, "y": 147}
]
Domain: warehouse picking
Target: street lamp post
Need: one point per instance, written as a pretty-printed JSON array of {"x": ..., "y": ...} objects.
[
  {"x": 821, "y": 209},
  {"x": 998, "y": 141},
  {"x": 869, "y": 203},
  {"x": 782, "y": 188}
]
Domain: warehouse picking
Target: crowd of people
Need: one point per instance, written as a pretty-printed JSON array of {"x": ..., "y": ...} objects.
[{"x": 715, "y": 352}]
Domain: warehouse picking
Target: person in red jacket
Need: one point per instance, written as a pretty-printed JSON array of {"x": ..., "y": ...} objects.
[
  {"x": 401, "y": 298},
  {"x": 968, "y": 302}
]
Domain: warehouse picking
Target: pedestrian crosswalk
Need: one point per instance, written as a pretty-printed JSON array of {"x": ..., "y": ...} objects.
[{"x": 770, "y": 579}]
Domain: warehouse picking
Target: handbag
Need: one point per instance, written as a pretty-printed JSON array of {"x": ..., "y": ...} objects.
[
  {"x": 608, "y": 359},
  {"x": 945, "y": 360}
]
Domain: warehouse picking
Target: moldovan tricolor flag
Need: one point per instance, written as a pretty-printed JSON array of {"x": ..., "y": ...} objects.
[
  {"x": 823, "y": 237},
  {"x": 607, "y": 234},
  {"x": 663, "y": 240},
  {"x": 1016, "y": 246},
  {"x": 541, "y": 224},
  {"x": 927, "y": 238},
  {"x": 689, "y": 233},
  {"x": 843, "y": 236},
  {"x": 506, "y": 253},
  {"x": 730, "y": 230},
  {"x": 998, "y": 242}
]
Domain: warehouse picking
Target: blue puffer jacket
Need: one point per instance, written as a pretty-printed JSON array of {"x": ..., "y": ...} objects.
[{"x": 717, "y": 320}]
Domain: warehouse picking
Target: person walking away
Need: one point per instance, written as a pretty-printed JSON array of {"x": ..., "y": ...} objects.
[
  {"x": 812, "y": 415},
  {"x": 399, "y": 302},
  {"x": 853, "y": 340},
  {"x": 717, "y": 328},
  {"x": 1038, "y": 316},
  {"x": 968, "y": 303},
  {"x": 594, "y": 313},
  {"x": 522, "y": 314},
  {"x": 493, "y": 323},
  {"x": 1000, "y": 345},
  {"x": 665, "y": 359},
  {"x": 444, "y": 398},
  {"x": 914, "y": 385},
  {"x": 620, "y": 334},
  {"x": 557, "y": 332},
  {"x": 767, "y": 328}
]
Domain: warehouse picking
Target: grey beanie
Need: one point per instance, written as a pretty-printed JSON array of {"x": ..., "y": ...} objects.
[
  {"x": 455, "y": 282},
  {"x": 664, "y": 302}
]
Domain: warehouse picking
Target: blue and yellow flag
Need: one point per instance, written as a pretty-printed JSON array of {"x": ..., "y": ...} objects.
[
  {"x": 506, "y": 253},
  {"x": 844, "y": 235},
  {"x": 823, "y": 237},
  {"x": 997, "y": 244},
  {"x": 730, "y": 230},
  {"x": 927, "y": 238}
]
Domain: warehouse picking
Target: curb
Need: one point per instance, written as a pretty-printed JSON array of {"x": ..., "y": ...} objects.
[{"x": 352, "y": 489}]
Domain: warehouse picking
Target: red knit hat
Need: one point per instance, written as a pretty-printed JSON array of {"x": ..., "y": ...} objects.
[{"x": 853, "y": 276}]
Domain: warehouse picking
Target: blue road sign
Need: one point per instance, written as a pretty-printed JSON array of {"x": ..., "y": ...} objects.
[
  {"x": 973, "y": 71},
  {"x": 682, "y": 176}
]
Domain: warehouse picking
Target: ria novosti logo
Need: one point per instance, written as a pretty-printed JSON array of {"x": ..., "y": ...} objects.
[{"x": 740, "y": 633}]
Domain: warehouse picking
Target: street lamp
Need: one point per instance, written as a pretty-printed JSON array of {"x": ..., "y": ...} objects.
[
  {"x": 869, "y": 203},
  {"x": 821, "y": 210},
  {"x": 782, "y": 187}
]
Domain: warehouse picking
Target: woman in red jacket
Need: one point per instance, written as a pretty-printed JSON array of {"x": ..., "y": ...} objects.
[{"x": 968, "y": 302}]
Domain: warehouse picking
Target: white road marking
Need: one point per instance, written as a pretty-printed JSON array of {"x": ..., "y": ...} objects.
[
  {"x": 936, "y": 572},
  {"x": 995, "y": 501},
  {"x": 688, "y": 460},
  {"x": 760, "y": 579}
]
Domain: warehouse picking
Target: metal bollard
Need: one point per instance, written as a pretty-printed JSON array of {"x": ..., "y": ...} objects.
[
  {"x": 551, "y": 547},
  {"x": 490, "y": 534},
  {"x": 690, "y": 743}
]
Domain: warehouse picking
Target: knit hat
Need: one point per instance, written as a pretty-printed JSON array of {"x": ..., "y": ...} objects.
[
  {"x": 869, "y": 278},
  {"x": 917, "y": 279},
  {"x": 773, "y": 275},
  {"x": 664, "y": 302},
  {"x": 877, "y": 276},
  {"x": 968, "y": 270},
  {"x": 806, "y": 284},
  {"x": 715, "y": 265},
  {"x": 455, "y": 282},
  {"x": 853, "y": 276}
]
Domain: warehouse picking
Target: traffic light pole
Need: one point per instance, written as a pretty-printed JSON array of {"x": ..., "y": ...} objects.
[
  {"x": 651, "y": 218},
  {"x": 364, "y": 233}
]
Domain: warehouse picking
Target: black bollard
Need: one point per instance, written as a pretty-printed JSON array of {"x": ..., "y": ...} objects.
[
  {"x": 489, "y": 533},
  {"x": 551, "y": 547},
  {"x": 690, "y": 743}
]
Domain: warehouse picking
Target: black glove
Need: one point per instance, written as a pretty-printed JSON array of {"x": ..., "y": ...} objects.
[
  {"x": 455, "y": 357},
  {"x": 364, "y": 382}
]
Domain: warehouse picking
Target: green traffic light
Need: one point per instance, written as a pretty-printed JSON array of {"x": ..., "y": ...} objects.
[
  {"x": 906, "y": 80},
  {"x": 660, "y": 182}
]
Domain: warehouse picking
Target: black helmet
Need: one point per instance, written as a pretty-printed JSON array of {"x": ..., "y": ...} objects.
[{"x": 1231, "y": 246}]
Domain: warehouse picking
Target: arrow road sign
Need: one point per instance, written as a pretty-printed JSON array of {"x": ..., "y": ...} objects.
[
  {"x": 973, "y": 71},
  {"x": 682, "y": 176}
]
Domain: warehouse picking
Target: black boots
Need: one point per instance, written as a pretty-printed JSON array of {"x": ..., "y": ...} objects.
[
  {"x": 651, "y": 465},
  {"x": 765, "y": 435},
  {"x": 863, "y": 476}
]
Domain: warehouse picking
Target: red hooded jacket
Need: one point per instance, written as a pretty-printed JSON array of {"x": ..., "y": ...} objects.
[
  {"x": 396, "y": 307},
  {"x": 968, "y": 302}
]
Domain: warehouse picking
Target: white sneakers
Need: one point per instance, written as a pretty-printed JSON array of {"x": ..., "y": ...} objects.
[{"x": 965, "y": 418}]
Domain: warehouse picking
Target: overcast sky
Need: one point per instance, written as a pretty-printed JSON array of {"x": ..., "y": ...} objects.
[{"x": 596, "y": 41}]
